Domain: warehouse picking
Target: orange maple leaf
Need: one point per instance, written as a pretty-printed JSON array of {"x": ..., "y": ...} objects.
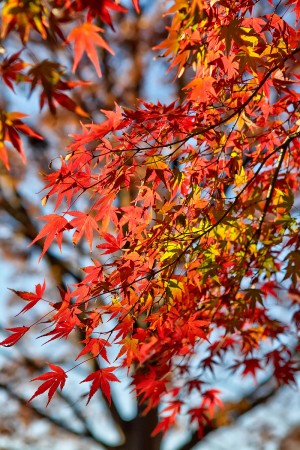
[
  {"x": 136, "y": 5},
  {"x": 85, "y": 38}
]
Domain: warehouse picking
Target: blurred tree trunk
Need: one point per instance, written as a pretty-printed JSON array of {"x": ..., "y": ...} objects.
[
  {"x": 138, "y": 433},
  {"x": 292, "y": 440}
]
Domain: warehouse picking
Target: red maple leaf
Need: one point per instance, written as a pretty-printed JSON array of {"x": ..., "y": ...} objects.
[
  {"x": 166, "y": 422},
  {"x": 62, "y": 330},
  {"x": 31, "y": 297},
  {"x": 10, "y": 69},
  {"x": 18, "y": 332},
  {"x": 100, "y": 380},
  {"x": 211, "y": 400},
  {"x": 84, "y": 224},
  {"x": 53, "y": 380},
  {"x": 95, "y": 346},
  {"x": 53, "y": 229},
  {"x": 268, "y": 288},
  {"x": 11, "y": 125},
  {"x": 112, "y": 244},
  {"x": 104, "y": 14},
  {"x": 150, "y": 387},
  {"x": 195, "y": 327},
  {"x": 49, "y": 76},
  {"x": 99, "y": 8},
  {"x": 251, "y": 366}
]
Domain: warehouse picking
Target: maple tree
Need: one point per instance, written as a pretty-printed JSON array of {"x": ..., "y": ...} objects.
[{"x": 183, "y": 279}]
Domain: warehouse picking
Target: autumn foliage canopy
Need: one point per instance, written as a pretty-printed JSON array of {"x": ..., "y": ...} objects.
[{"x": 183, "y": 279}]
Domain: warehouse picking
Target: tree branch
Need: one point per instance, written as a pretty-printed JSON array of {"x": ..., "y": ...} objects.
[
  {"x": 19, "y": 213},
  {"x": 55, "y": 421},
  {"x": 283, "y": 149}
]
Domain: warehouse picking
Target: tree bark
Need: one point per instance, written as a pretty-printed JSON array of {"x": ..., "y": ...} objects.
[
  {"x": 292, "y": 440},
  {"x": 138, "y": 433}
]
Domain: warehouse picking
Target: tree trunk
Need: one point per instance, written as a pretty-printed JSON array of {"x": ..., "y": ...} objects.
[
  {"x": 138, "y": 433},
  {"x": 291, "y": 441}
]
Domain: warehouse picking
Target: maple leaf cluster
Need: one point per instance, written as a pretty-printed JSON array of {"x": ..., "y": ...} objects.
[
  {"x": 188, "y": 272},
  {"x": 51, "y": 20}
]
